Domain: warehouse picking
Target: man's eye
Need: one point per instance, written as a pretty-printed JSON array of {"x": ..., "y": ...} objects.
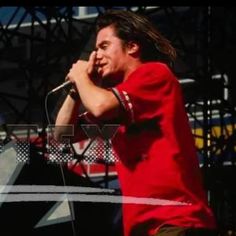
[{"x": 104, "y": 46}]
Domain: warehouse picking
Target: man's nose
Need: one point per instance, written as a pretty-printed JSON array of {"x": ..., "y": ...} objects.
[{"x": 98, "y": 54}]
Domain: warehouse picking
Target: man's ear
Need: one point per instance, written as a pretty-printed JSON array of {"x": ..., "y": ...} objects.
[{"x": 133, "y": 48}]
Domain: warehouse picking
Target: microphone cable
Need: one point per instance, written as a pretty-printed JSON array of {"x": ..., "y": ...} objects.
[{"x": 61, "y": 168}]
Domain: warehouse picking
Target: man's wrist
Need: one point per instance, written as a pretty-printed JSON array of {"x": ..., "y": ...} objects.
[{"x": 74, "y": 94}]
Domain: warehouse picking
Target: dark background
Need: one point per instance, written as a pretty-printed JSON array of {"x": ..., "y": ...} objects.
[{"x": 37, "y": 48}]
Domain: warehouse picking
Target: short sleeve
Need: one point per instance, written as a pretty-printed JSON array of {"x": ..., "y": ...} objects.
[{"x": 144, "y": 93}]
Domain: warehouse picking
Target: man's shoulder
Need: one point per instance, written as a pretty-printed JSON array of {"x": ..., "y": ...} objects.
[
  {"x": 149, "y": 73},
  {"x": 153, "y": 66},
  {"x": 153, "y": 69}
]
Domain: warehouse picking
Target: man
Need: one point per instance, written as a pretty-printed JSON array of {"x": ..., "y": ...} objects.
[{"x": 154, "y": 144}]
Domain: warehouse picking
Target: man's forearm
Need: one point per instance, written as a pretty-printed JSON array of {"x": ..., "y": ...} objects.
[{"x": 67, "y": 115}]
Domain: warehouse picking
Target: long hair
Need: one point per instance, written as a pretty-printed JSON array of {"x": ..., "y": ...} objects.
[{"x": 130, "y": 26}]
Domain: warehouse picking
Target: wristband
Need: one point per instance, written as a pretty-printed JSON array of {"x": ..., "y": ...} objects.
[{"x": 73, "y": 94}]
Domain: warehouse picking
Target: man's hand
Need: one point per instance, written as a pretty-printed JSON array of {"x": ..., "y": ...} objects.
[{"x": 83, "y": 69}]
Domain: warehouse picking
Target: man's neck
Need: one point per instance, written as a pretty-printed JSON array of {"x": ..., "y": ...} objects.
[{"x": 132, "y": 67}]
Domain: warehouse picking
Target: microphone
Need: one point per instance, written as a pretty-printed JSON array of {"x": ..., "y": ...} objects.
[{"x": 64, "y": 85}]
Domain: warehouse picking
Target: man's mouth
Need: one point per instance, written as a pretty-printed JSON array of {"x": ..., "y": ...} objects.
[{"x": 101, "y": 68}]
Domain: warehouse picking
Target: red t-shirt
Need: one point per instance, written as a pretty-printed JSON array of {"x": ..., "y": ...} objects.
[{"x": 157, "y": 154}]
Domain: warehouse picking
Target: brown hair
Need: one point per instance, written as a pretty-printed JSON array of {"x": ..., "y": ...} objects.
[{"x": 130, "y": 26}]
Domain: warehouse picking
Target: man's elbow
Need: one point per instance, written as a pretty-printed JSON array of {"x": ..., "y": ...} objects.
[
  {"x": 62, "y": 131},
  {"x": 57, "y": 134},
  {"x": 98, "y": 110},
  {"x": 103, "y": 112}
]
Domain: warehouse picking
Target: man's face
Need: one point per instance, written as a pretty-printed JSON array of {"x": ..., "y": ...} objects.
[{"x": 112, "y": 58}]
